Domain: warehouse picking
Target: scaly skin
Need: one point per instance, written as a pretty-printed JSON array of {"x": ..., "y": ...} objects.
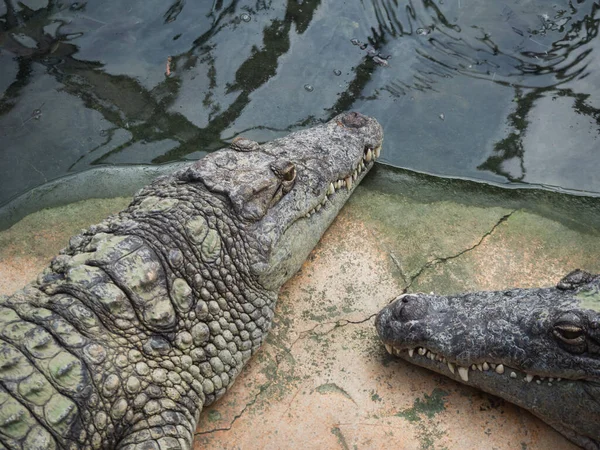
[
  {"x": 151, "y": 314},
  {"x": 537, "y": 348}
]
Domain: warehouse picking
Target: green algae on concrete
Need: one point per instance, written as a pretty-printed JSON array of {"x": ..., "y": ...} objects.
[
  {"x": 43, "y": 233},
  {"x": 429, "y": 406},
  {"x": 27, "y": 246}
]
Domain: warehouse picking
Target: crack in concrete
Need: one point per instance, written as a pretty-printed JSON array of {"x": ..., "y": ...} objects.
[
  {"x": 436, "y": 261},
  {"x": 344, "y": 322},
  {"x": 278, "y": 359},
  {"x": 238, "y": 415}
]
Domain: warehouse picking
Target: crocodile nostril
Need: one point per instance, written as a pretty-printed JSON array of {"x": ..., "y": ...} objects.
[
  {"x": 354, "y": 120},
  {"x": 405, "y": 298},
  {"x": 408, "y": 307}
]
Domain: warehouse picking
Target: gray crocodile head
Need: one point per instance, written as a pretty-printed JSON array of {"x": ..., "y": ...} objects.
[{"x": 537, "y": 348}]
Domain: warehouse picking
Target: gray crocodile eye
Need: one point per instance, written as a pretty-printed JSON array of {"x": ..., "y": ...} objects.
[{"x": 570, "y": 334}]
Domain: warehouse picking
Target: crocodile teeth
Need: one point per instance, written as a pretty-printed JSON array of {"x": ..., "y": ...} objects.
[
  {"x": 463, "y": 372},
  {"x": 377, "y": 152},
  {"x": 528, "y": 378},
  {"x": 349, "y": 180}
]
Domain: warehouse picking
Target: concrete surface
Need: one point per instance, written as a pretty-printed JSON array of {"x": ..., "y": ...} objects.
[{"x": 322, "y": 380}]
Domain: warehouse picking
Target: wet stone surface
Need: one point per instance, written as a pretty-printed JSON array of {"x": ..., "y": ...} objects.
[{"x": 322, "y": 379}]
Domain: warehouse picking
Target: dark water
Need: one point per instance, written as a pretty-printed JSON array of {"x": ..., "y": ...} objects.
[{"x": 500, "y": 91}]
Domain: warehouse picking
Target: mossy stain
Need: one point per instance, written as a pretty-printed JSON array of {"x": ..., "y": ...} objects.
[{"x": 430, "y": 406}]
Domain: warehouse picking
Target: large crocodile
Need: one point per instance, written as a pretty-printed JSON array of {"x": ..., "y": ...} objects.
[
  {"x": 150, "y": 315},
  {"x": 537, "y": 348}
]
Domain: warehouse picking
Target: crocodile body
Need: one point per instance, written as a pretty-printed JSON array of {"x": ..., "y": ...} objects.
[
  {"x": 150, "y": 315},
  {"x": 537, "y": 348}
]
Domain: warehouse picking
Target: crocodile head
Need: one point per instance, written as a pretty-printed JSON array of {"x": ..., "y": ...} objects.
[
  {"x": 286, "y": 192},
  {"x": 537, "y": 348}
]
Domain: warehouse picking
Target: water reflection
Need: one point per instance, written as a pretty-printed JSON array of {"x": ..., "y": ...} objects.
[{"x": 493, "y": 90}]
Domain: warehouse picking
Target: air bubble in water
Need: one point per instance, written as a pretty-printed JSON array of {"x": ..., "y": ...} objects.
[
  {"x": 245, "y": 17},
  {"x": 337, "y": 72},
  {"x": 309, "y": 88}
]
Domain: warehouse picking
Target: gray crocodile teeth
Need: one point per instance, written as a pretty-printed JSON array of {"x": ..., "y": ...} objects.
[
  {"x": 422, "y": 351},
  {"x": 485, "y": 366},
  {"x": 499, "y": 369},
  {"x": 348, "y": 181},
  {"x": 528, "y": 378},
  {"x": 369, "y": 155},
  {"x": 411, "y": 352},
  {"x": 377, "y": 152},
  {"x": 388, "y": 348},
  {"x": 331, "y": 189},
  {"x": 451, "y": 366},
  {"x": 464, "y": 373}
]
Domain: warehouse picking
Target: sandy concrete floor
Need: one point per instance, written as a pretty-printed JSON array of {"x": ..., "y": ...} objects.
[{"x": 323, "y": 380}]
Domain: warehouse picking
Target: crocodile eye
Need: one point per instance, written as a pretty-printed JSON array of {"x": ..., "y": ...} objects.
[
  {"x": 570, "y": 334},
  {"x": 289, "y": 173}
]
